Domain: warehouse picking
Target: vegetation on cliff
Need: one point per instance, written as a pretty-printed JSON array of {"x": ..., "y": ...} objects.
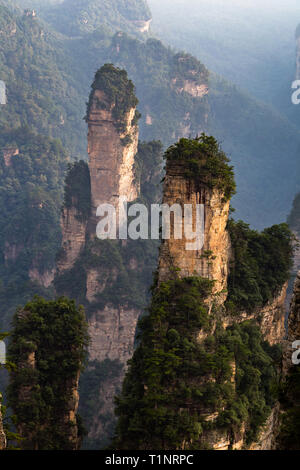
[
  {"x": 289, "y": 435},
  {"x": 119, "y": 94},
  {"x": 31, "y": 194},
  {"x": 40, "y": 81},
  {"x": 261, "y": 264},
  {"x": 175, "y": 380},
  {"x": 187, "y": 67},
  {"x": 48, "y": 345},
  {"x": 204, "y": 162}
]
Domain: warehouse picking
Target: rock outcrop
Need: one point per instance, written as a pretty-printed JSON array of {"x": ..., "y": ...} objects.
[
  {"x": 143, "y": 26},
  {"x": 189, "y": 76},
  {"x": 191, "y": 87},
  {"x": 271, "y": 318}
]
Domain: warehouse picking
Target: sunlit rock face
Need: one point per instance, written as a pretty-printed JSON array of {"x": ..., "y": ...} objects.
[
  {"x": 212, "y": 259},
  {"x": 111, "y": 157}
]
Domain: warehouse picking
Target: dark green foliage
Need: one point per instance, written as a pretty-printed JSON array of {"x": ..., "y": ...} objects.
[
  {"x": 261, "y": 264},
  {"x": 56, "y": 332},
  {"x": 155, "y": 386},
  {"x": 72, "y": 283},
  {"x": 92, "y": 383},
  {"x": 256, "y": 378},
  {"x": 174, "y": 380},
  {"x": 205, "y": 162},
  {"x": 187, "y": 67},
  {"x": 31, "y": 195},
  {"x": 78, "y": 189},
  {"x": 289, "y": 436},
  {"x": 118, "y": 90},
  {"x": 41, "y": 81},
  {"x": 148, "y": 170}
]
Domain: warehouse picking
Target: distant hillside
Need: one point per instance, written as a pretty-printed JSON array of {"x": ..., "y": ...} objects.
[
  {"x": 32, "y": 169},
  {"x": 42, "y": 88},
  {"x": 75, "y": 17}
]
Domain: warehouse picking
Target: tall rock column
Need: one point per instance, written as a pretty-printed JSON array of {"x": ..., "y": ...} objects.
[
  {"x": 112, "y": 137},
  {"x": 103, "y": 271},
  {"x": 212, "y": 260}
]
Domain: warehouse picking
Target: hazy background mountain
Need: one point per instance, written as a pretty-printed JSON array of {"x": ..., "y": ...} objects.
[
  {"x": 249, "y": 42},
  {"x": 263, "y": 145}
]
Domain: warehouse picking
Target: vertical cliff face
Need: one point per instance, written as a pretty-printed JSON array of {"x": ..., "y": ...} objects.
[
  {"x": 112, "y": 147},
  {"x": 271, "y": 317},
  {"x": 2, "y": 434},
  {"x": 73, "y": 238},
  {"x": 294, "y": 316},
  {"x": 293, "y": 333},
  {"x": 112, "y": 139},
  {"x": 212, "y": 259}
]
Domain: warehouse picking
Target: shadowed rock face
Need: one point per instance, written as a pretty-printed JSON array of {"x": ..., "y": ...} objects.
[
  {"x": 293, "y": 333},
  {"x": 288, "y": 429},
  {"x": 2, "y": 434},
  {"x": 73, "y": 238}
]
